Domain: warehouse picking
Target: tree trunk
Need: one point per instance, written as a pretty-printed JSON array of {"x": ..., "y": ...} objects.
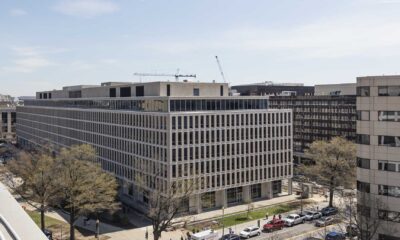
[
  {"x": 71, "y": 225},
  {"x": 42, "y": 224},
  {"x": 156, "y": 235},
  {"x": 331, "y": 190}
]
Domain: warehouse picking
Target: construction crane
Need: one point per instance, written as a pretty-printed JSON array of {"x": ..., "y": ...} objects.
[
  {"x": 176, "y": 75},
  {"x": 220, "y": 69}
]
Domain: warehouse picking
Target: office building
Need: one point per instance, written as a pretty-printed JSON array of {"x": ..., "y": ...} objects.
[
  {"x": 236, "y": 148},
  {"x": 272, "y": 89},
  {"x": 378, "y": 151},
  {"x": 8, "y": 118}
]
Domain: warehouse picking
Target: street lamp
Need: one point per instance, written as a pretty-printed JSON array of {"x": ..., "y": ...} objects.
[{"x": 223, "y": 217}]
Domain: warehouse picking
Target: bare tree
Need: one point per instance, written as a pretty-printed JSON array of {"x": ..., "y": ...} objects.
[
  {"x": 335, "y": 163},
  {"x": 164, "y": 203},
  {"x": 86, "y": 188},
  {"x": 32, "y": 176},
  {"x": 362, "y": 214}
]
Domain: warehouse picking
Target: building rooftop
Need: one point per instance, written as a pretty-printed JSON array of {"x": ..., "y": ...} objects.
[{"x": 15, "y": 223}]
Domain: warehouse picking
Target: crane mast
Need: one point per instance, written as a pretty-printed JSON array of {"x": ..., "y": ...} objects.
[{"x": 220, "y": 69}]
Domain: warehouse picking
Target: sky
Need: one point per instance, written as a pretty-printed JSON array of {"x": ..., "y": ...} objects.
[{"x": 49, "y": 44}]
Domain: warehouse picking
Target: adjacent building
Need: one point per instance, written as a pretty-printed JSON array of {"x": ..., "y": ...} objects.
[
  {"x": 378, "y": 151},
  {"x": 237, "y": 148},
  {"x": 8, "y": 118},
  {"x": 271, "y": 89}
]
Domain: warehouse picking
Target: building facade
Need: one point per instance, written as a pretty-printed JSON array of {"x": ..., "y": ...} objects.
[
  {"x": 378, "y": 151},
  {"x": 318, "y": 118},
  {"x": 8, "y": 118},
  {"x": 237, "y": 148},
  {"x": 273, "y": 89}
]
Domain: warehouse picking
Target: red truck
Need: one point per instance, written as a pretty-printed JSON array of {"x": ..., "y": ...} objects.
[{"x": 275, "y": 224}]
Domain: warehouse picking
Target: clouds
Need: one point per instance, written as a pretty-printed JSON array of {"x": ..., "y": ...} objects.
[
  {"x": 17, "y": 12},
  {"x": 86, "y": 8},
  {"x": 29, "y": 59}
]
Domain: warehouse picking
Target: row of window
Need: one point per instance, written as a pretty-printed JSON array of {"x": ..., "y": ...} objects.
[
  {"x": 190, "y": 105},
  {"x": 382, "y": 91},
  {"x": 389, "y": 141},
  {"x": 391, "y": 191},
  {"x": 240, "y": 134},
  {"x": 388, "y": 116},
  {"x": 391, "y": 216},
  {"x": 189, "y": 122},
  {"x": 383, "y": 165}
]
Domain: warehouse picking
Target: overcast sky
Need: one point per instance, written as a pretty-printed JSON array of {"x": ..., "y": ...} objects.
[{"x": 48, "y": 44}]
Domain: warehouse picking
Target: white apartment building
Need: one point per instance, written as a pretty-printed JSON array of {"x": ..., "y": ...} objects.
[
  {"x": 236, "y": 147},
  {"x": 378, "y": 156}
]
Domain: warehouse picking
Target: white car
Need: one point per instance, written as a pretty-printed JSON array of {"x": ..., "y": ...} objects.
[
  {"x": 294, "y": 219},
  {"x": 250, "y": 232},
  {"x": 311, "y": 215}
]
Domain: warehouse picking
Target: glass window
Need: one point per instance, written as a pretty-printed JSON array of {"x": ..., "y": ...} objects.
[
  {"x": 388, "y": 166},
  {"x": 363, "y": 91},
  {"x": 390, "y": 116},
  {"x": 363, "y": 163},
  {"x": 196, "y": 92},
  {"x": 391, "y": 191},
  {"x": 363, "y": 187},
  {"x": 363, "y": 115},
  {"x": 389, "y": 91},
  {"x": 389, "y": 141},
  {"x": 362, "y": 139}
]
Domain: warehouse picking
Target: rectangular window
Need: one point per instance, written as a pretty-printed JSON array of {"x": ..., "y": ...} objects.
[
  {"x": 391, "y": 191},
  {"x": 389, "y": 141},
  {"x": 125, "y": 92},
  {"x": 113, "y": 92},
  {"x": 221, "y": 90},
  {"x": 363, "y": 91},
  {"x": 389, "y": 216},
  {"x": 168, "y": 90},
  {"x": 363, "y": 163},
  {"x": 139, "y": 91},
  {"x": 389, "y": 116},
  {"x": 196, "y": 92},
  {"x": 363, "y": 115},
  {"x": 389, "y": 91},
  {"x": 362, "y": 139},
  {"x": 388, "y": 166},
  {"x": 363, "y": 187}
]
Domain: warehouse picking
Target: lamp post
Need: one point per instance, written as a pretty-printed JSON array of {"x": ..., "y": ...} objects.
[{"x": 223, "y": 225}]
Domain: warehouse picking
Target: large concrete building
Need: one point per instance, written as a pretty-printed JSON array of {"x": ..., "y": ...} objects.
[
  {"x": 378, "y": 138},
  {"x": 237, "y": 148}
]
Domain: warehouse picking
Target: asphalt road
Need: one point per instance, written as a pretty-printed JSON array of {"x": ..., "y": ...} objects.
[{"x": 298, "y": 232}]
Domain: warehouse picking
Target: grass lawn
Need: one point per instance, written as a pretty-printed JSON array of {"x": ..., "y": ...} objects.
[
  {"x": 49, "y": 222},
  {"x": 232, "y": 220}
]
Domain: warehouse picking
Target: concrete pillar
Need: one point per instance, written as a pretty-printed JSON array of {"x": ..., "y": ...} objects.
[
  {"x": 246, "y": 194},
  {"x": 266, "y": 190},
  {"x": 290, "y": 186},
  {"x": 195, "y": 204},
  {"x": 9, "y": 122},
  {"x": 220, "y": 198}
]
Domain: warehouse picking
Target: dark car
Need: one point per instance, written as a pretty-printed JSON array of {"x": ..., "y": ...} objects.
[
  {"x": 275, "y": 224},
  {"x": 327, "y": 211},
  {"x": 230, "y": 237},
  {"x": 335, "y": 236},
  {"x": 48, "y": 234}
]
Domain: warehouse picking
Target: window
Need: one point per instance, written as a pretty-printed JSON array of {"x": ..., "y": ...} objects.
[
  {"x": 387, "y": 237},
  {"x": 221, "y": 90},
  {"x": 362, "y": 139},
  {"x": 363, "y": 187},
  {"x": 113, "y": 92},
  {"x": 363, "y": 91},
  {"x": 388, "y": 166},
  {"x": 390, "y": 116},
  {"x": 391, "y": 191},
  {"x": 363, "y": 115},
  {"x": 196, "y": 92},
  {"x": 389, "y": 216},
  {"x": 139, "y": 91},
  {"x": 389, "y": 91},
  {"x": 168, "y": 90},
  {"x": 389, "y": 141},
  {"x": 363, "y": 163},
  {"x": 125, "y": 92},
  {"x": 73, "y": 94}
]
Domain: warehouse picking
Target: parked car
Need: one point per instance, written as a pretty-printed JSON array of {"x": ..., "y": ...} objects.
[
  {"x": 250, "y": 232},
  {"x": 294, "y": 219},
  {"x": 230, "y": 237},
  {"x": 335, "y": 236},
  {"x": 273, "y": 225},
  {"x": 327, "y": 211},
  {"x": 325, "y": 221},
  {"x": 311, "y": 215},
  {"x": 205, "y": 235}
]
